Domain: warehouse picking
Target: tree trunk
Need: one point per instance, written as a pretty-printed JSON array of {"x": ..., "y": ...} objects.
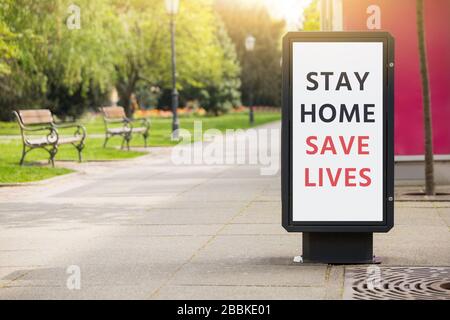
[
  {"x": 125, "y": 86},
  {"x": 125, "y": 89},
  {"x": 429, "y": 166},
  {"x": 125, "y": 100}
]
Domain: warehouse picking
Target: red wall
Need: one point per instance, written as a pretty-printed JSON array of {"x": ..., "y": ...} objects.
[{"x": 399, "y": 18}]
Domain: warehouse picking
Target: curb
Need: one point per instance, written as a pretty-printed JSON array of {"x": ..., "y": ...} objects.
[{"x": 43, "y": 181}]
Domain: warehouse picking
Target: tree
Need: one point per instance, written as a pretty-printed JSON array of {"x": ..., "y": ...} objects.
[
  {"x": 220, "y": 92},
  {"x": 206, "y": 65},
  {"x": 57, "y": 67},
  {"x": 8, "y": 48},
  {"x": 139, "y": 45},
  {"x": 428, "y": 132},
  {"x": 261, "y": 72},
  {"x": 123, "y": 43},
  {"x": 311, "y": 17}
]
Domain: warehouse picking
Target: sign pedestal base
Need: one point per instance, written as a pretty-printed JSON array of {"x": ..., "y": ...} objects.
[{"x": 338, "y": 247}]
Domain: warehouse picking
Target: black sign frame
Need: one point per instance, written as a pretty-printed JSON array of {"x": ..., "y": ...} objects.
[{"x": 388, "y": 133}]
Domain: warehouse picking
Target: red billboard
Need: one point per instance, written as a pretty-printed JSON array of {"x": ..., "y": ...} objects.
[{"x": 399, "y": 18}]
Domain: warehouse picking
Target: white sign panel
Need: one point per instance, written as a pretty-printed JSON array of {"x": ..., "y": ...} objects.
[{"x": 337, "y": 131}]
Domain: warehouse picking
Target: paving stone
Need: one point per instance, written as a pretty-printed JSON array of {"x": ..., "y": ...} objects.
[{"x": 149, "y": 229}]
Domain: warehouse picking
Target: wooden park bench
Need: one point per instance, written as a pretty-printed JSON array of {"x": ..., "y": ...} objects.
[
  {"x": 116, "y": 115},
  {"x": 33, "y": 125}
]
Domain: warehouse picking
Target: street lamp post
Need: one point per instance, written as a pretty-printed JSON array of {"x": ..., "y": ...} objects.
[
  {"x": 172, "y": 10},
  {"x": 249, "y": 47}
]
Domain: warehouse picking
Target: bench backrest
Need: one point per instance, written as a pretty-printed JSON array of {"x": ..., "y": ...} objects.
[
  {"x": 36, "y": 116},
  {"x": 113, "y": 112}
]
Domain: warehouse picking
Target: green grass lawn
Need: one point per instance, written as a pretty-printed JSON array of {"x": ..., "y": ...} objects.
[
  {"x": 160, "y": 127},
  {"x": 12, "y": 173},
  {"x": 36, "y": 167},
  {"x": 10, "y": 149}
]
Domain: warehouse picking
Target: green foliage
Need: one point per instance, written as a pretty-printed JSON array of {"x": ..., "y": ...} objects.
[
  {"x": 57, "y": 67},
  {"x": 311, "y": 16},
  {"x": 121, "y": 43},
  {"x": 207, "y": 68},
  {"x": 220, "y": 93},
  {"x": 139, "y": 44},
  {"x": 261, "y": 72},
  {"x": 8, "y": 48}
]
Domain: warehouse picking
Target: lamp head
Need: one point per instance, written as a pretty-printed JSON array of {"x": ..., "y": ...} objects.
[{"x": 172, "y": 6}]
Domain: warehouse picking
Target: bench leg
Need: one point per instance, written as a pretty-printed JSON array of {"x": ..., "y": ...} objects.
[
  {"x": 24, "y": 153},
  {"x": 106, "y": 141},
  {"x": 123, "y": 142},
  {"x": 53, "y": 152},
  {"x": 126, "y": 141},
  {"x": 145, "y": 139},
  {"x": 80, "y": 148}
]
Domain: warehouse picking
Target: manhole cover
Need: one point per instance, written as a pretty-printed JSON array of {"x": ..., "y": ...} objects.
[{"x": 399, "y": 283}]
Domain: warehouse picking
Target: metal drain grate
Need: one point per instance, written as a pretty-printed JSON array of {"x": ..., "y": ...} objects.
[{"x": 399, "y": 283}]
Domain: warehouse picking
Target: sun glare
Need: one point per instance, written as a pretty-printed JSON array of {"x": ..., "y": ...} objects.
[{"x": 289, "y": 10}]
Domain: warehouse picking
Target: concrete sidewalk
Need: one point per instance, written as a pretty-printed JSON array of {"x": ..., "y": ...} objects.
[{"x": 147, "y": 229}]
